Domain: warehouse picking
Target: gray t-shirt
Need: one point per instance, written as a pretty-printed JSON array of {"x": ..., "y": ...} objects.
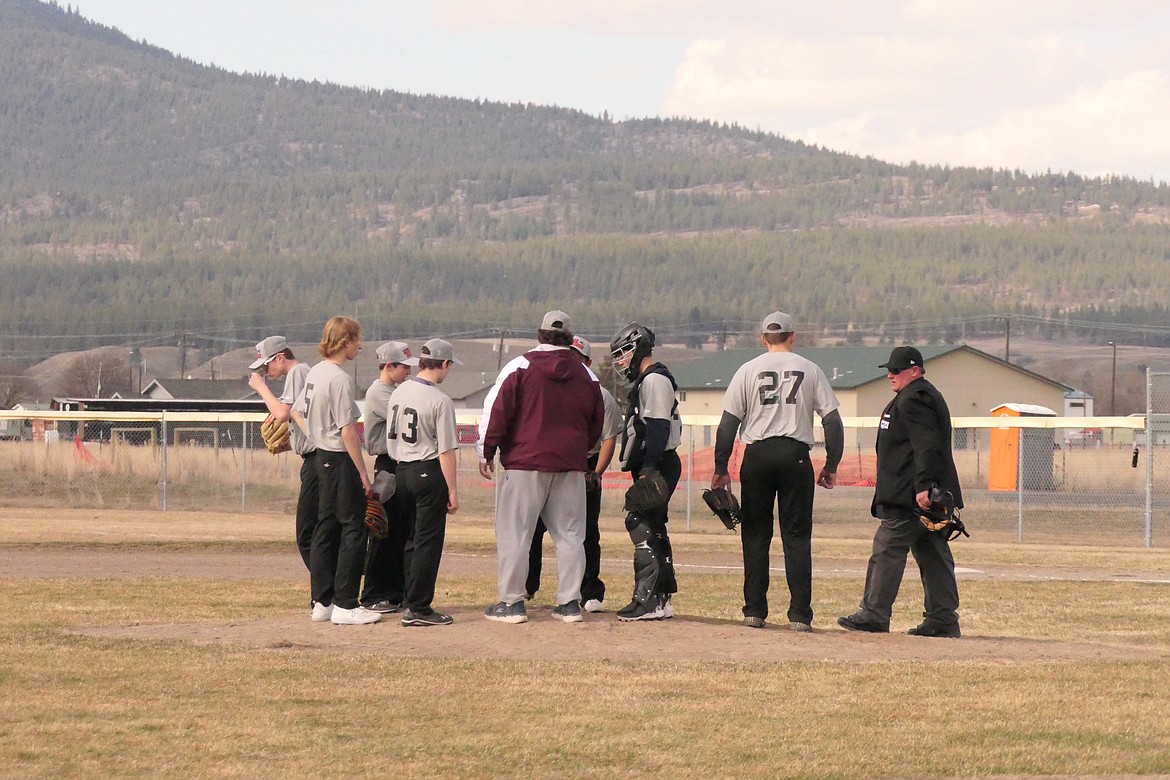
[
  {"x": 421, "y": 422},
  {"x": 327, "y": 404},
  {"x": 377, "y": 399},
  {"x": 294, "y": 383},
  {"x": 776, "y": 394}
]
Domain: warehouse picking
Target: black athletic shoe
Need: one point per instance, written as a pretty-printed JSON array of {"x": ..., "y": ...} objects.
[
  {"x": 636, "y": 610},
  {"x": 384, "y": 606},
  {"x": 934, "y": 628},
  {"x": 412, "y": 618},
  {"x": 855, "y": 623}
]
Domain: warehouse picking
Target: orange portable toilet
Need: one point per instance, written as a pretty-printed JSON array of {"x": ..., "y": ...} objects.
[{"x": 1020, "y": 451}]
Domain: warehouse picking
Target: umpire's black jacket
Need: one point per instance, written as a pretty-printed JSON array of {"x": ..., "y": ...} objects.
[{"x": 913, "y": 450}]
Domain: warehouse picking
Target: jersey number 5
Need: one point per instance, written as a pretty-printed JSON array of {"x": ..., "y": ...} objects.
[
  {"x": 410, "y": 421},
  {"x": 770, "y": 386}
]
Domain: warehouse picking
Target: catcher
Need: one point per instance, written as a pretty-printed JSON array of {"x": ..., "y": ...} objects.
[{"x": 652, "y": 433}]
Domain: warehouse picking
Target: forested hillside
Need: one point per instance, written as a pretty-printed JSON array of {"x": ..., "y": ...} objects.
[{"x": 144, "y": 196}]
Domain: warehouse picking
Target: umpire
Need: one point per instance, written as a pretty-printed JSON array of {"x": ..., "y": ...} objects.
[
  {"x": 773, "y": 398},
  {"x": 913, "y": 456}
]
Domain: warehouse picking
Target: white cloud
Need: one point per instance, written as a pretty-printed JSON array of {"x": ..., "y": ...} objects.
[{"x": 1044, "y": 99}]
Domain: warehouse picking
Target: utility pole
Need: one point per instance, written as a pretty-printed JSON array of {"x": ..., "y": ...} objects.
[
  {"x": 500, "y": 350},
  {"x": 1007, "y": 338},
  {"x": 1113, "y": 383}
]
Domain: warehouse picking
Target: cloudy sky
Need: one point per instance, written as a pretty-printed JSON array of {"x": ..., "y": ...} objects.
[{"x": 1080, "y": 85}]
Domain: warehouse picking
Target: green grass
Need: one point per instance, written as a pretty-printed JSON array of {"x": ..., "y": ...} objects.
[{"x": 75, "y": 705}]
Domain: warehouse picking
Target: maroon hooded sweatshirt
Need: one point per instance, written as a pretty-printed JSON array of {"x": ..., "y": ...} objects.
[{"x": 547, "y": 414}]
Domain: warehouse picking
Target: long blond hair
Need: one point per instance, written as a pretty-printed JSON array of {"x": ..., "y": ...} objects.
[{"x": 338, "y": 333}]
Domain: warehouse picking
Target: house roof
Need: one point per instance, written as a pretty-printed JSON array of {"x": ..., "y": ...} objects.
[
  {"x": 204, "y": 389},
  {"x": 846, "y": 367}
]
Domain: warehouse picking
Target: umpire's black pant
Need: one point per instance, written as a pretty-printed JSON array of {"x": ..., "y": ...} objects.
[
  {"x": 591, "y": 585},
  {"x": 307, "y": 505},
  {"x": 386, "y": 571},
  {"x": 339, "y": 540},
  {"x": 901, "y": 531},
  {"x": 777, "y": 469},
  {"x": 424, "y": 511}
]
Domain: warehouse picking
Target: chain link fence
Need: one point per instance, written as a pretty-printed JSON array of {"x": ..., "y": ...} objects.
[{"x": 1092, "y": 481}]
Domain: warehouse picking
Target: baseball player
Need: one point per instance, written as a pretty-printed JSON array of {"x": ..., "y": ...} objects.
[
  {"x": 274, "y": 360},
  {"x": 385, "y": 571},
  {"x": 543, "y": 415},
  {"x": 770, "y": 401},
  {"x": 592, "y": 588},
  {"x": 652, "y": 433},
  {"x": 422, "y": 438},
  {"x": 329, "y": 410}
]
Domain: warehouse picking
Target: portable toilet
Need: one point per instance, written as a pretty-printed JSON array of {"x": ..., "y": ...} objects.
[{"x": 1021, "y": 452}]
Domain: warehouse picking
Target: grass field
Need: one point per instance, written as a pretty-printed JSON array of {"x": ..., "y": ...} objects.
[{"x": 75, "y": 705}]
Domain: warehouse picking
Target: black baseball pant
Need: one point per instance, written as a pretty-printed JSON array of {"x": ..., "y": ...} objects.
[
  {"x": 424, "y": 512},
  {"x": 307, "y": 505},
  {"x": 777, "y": 469},
  {"x": 339, "y": 540},
  {"x": 386, "y": 572}
]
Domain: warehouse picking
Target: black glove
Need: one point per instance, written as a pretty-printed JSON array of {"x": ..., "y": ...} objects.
[
  {"x": 649, "y": 491},
  {"x": 725, "y": 506}
]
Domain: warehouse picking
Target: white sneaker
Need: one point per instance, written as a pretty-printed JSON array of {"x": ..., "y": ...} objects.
[
  {"x": 321, "y": 612},
  {"x": 664, "y": 604},
  {"x": 593, "y": 605},
  {"x": 358, "y": 616}
]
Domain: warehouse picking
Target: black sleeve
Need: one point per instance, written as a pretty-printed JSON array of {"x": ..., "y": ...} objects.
[
  {"x": 657, "y": 434},
  {"x": 834, "y": 439},
  {"x": 725, "y": 441}
]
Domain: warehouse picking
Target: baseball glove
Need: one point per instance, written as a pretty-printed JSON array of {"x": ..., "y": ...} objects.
[
  {"x": 592, "y": 480},
  {"x": 275, "y": 434},
  {"x": 723, "y": 503},
  {"x": 942, "y": 517},
  {"x": 376, "y": 519},
  {"x": 649, "y": 491}
]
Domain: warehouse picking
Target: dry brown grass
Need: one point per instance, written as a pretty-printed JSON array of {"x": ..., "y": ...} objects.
[{"x": 78, "y": 706}]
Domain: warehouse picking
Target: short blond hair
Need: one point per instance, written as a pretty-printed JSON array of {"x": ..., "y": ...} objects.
[{"x": 338, "y": 333}]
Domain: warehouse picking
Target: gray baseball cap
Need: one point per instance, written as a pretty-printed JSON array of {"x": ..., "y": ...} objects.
[
  {"x": 268, "y": 349},
  {"x": 396, "y": 352},
  {"x": 777, "y": 322},
  {"x": 556, "y": 320},
  {"x": 437, "y": 349},
  {"x": 583, "y": 347}
]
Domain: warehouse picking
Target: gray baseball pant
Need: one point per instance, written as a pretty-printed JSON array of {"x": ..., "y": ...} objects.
[{"x": 558, "y": 498}]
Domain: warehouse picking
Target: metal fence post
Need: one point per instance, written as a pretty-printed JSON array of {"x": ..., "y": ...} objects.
[
  {"x": 1149, "y": 520},
  {"x": 246, "y": 438},
  {"x": 1019, "y": 484},
  {"x": 164, "y": 461}
]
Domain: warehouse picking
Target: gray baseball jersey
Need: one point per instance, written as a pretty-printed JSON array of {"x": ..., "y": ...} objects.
[
  {"x": 613, "y": 420},
  {"x": 327, "y": 404},
  {"x": 377, "y": 400},
  {"x": 421, "y": 422},
  {"x": 656, "y": 400},
  {"x": 294, "y": 383},
  {"x": 776, "y": 394}
]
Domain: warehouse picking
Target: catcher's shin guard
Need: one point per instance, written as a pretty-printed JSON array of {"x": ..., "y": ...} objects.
[{"x": 646, "y": 564}]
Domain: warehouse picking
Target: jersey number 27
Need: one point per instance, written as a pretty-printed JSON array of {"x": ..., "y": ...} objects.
[{"x": 770, "y": 385}]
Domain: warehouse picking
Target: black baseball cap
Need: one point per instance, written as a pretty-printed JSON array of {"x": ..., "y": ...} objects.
[{"x": 902, "y": 358}]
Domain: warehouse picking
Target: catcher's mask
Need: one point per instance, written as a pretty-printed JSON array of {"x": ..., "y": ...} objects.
[
  {"x": 942, "y": 517},
  {"x": 636, "y": 340},
  {"x": 725, "y": 506}
]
